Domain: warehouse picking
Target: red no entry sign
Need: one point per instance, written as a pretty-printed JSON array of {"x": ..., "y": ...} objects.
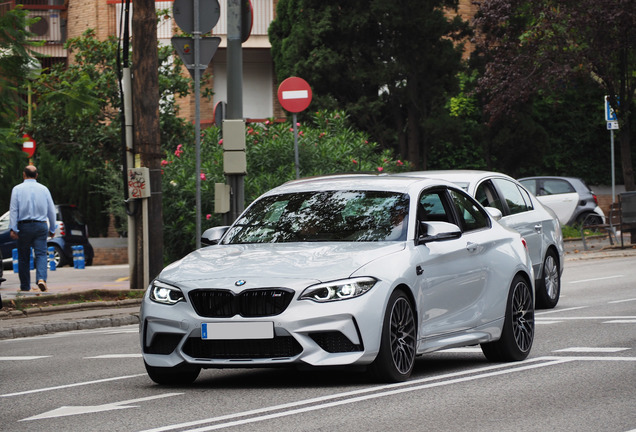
[
  {"x": 28, "y": 145},
  {"x": 294, "y": 94}
]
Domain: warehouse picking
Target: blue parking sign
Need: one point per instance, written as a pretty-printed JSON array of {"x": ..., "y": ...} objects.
[{"x": 610, "y": 115}]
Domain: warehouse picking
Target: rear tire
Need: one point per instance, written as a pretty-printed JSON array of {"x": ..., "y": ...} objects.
[
  {"x": 548, "y": 288},
  {"x": 396, "y": 357},
  {"x": 590, "y": 219},
  {"x": 518, "y": 331},
  {"x": 182, "y": 374}
]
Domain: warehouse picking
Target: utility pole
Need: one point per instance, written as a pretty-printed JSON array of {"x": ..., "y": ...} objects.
[
  {"x": 234, "y": 159},
  {"x": 147, "y": 140}
]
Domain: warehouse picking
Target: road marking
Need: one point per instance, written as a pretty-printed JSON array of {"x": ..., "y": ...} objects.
[
  {"x": 463, "y": 350},
  {"x": 115, "y": 356},
  {"x": 75, "y": 410},
  {"x": 596, "y": 279},
  {"x": 547, "y": 322},
  {"x": 592, "y": 350},
  {"x": 594, "y": 318},
  {"x": 20, "y": 358},
  {"x": 356, "y": 396},
  {"x": 559, "y": 310},
  {"x": 71, "y": 385},
  {"x": 622, "y": 301},
  {"x": 625, "y": 321}
]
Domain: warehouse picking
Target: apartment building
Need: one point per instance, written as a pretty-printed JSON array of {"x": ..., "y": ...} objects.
[{"x": 63, "y": 19}]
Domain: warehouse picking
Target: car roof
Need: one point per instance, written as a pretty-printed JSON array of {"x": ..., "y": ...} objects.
[
  {"x": 457, "y": 176},
  {"x": 379, "y": 182},
  {"x": 550, "y": 178}
]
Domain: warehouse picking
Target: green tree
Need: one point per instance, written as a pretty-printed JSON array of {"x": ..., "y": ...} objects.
[
  {"x": 545, "y": 45},
  {"x": 327, "y": 145},
  {"x": 76, "y": 125},
  {"x": 389, "y": 65},
  {"x": 15, "y": 63}
]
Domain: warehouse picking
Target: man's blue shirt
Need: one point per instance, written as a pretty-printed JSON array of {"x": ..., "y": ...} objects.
[{"x": 31, "y": 201}]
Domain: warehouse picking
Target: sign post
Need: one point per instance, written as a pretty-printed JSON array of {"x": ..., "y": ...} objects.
[
  {"x": 196, "y": 17},
  {"x": 612, "y": 124},
  {"x": 294, "y": 95}
]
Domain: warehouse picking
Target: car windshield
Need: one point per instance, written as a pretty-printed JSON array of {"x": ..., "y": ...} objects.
[{"x": 323, "y": 216}]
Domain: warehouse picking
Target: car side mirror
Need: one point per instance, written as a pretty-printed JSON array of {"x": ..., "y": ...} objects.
[
  {"x": 212, "y": 236},
  {"x": 438, "y": 231},
  {"x": 494, "y": 212}
]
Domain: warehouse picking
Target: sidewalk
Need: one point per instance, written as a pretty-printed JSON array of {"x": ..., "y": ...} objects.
[{"x": 43, "y": 320}]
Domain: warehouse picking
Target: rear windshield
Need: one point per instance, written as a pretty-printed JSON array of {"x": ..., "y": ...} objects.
[{"x": 71, "y": 217}]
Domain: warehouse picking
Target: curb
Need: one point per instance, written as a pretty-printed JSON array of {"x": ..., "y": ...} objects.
[
  {"x": 62, "y": 326},
  {"x": 48, "y": 310},
  {"x": 34, "y": 322}
]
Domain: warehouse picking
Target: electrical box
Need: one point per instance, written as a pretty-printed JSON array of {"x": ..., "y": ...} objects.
[
  {"x": 221, "y": 198},
  {"x": 234, "y": 162},
  {"x": 233, "y": 135},
  {"x": 139, "y": 183}
]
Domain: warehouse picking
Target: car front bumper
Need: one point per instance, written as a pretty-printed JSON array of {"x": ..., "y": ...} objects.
[{"x": 345, "y": 332}]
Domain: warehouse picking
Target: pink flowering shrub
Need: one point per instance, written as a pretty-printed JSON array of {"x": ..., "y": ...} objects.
[{"x": 327, "y": 144}]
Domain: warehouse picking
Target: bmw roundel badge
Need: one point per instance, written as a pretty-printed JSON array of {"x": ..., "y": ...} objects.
[{"x": 240, "y": 282}]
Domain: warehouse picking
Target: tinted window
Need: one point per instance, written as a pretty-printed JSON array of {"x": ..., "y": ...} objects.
[
  {"x": 512, "y": 196},
  {"x": 531, "y": 185},
  {"x": 472, "y": 217},
  {"x": 323, "y": 216},
  {"x": 487, "y": 196},
  {"x": 554, "y": 186},
  {"x": 432, "y": 208},
  {"x": 526, "y": 197}
]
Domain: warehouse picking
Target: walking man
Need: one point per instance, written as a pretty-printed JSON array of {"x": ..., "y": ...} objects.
[{"x": 31, "y": 206}]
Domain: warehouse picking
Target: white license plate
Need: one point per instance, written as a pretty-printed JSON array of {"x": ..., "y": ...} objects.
[
  {"x": 76, "y": 232},
  {"x": 237, "y": 330}
]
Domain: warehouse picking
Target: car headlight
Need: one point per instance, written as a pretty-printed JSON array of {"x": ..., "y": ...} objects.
[
  {"x": 338, "y": 290},
  {"x": 166, "y": 294}
]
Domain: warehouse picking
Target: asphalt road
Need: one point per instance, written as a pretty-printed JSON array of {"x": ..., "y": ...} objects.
[{"x": 581, "y": 376}]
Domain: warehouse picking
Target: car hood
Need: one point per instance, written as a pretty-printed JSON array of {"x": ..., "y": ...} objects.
[{"x": 306, "y": 261}]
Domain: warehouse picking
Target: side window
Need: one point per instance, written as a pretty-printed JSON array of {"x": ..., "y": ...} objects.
[
  {"x": 554, "y": 186},
  {"x": 472, "y": 217},
  {"x": 488, "y": 197},
  {"x": 432, "y": 207},
  {"x": 531, "y": 185},
  {"x": 512, "y": 195},
  {"x": 526, "y": 197}
]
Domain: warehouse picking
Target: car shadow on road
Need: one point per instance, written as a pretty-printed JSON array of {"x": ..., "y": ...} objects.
[{"x": 426, "y": 366}]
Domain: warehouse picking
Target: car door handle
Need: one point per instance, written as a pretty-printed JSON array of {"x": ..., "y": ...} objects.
[{"x": 538, "y": 228}]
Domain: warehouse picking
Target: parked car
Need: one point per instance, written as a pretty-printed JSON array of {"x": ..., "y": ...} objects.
[
  {"x": 569, "y": 197},
  {"x": 358, "y": 270},
  {"x": 524, "y": 213},
  {"x": 1, "y": 278},
  {"x": 71, "y": 231}
]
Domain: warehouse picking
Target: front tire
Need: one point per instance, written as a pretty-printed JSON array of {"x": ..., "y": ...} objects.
[
  {"x": 518, "y": 331},
  {"x": 396, "y": 357},
  {"x": 181, "y": 374},
  {"x": 549, "y": 286}
]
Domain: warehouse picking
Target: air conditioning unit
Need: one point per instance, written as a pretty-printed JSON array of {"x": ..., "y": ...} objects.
[{"x": 48, "y": 26}]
